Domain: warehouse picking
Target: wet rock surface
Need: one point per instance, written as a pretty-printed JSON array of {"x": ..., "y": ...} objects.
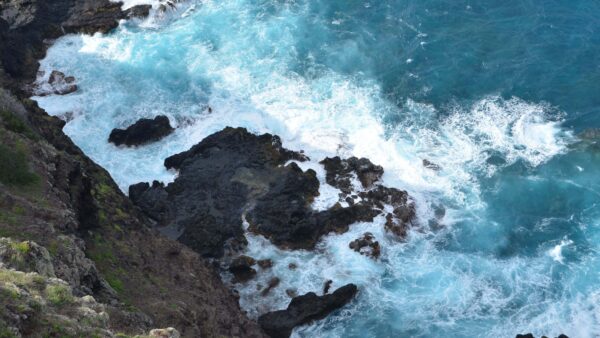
[
  {"x": 203, "y": 207},
  {"x": 394, "y": 203},
  {"x": 57, "y": 84},
  {"x": 242, "y": 269},
  {"x": 341, "y": 172},
  {"x": 139, "y": 11},
  {"x": 366, "y": 245},
  {"x": 304, "y": 309},
  {"x": 234, "y": 173},
  {"x": 142, "y": 132}
]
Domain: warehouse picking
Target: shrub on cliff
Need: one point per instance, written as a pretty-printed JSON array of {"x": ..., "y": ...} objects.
[{"x": 14, "y": 168}]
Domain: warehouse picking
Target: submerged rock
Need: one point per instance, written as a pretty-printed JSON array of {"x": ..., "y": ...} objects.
[
  {"x": 304, "y": 309},
  {"x": 265, "y": 263},
  {"x": 366, "y": 245},
  {"x": 142, "y": 132},
  {"x": 327, "y": 286},
  {"x": 430, "y": 165},
  {"x": 273, "y": 283},
  {"x": 58, "y": 84}
]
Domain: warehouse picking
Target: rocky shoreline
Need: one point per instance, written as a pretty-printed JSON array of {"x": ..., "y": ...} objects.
[{"x": 79, "y": 258}]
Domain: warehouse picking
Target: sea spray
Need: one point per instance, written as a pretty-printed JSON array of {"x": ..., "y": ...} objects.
[{"x": 311, "y": 72}]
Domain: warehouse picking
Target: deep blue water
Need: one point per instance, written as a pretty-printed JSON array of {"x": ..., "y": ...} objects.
[{"x": 492, "y": 91}]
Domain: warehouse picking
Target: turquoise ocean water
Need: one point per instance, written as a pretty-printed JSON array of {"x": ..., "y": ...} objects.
[{"x": 493, "y": 92}]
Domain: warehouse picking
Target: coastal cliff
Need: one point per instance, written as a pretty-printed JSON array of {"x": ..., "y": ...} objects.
[{"x": 73, "y": 246}]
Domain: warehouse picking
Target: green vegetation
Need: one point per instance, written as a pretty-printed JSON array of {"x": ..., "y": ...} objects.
[
  {"x": 14, "y": 169},
  {"x": 15, "y": 124},
  {"x": 103, "y": 190},
  {"x": 59, "y": 294},
  {"x": 22, "y": 247},
  {"x": 6, "y": 333},
  {"x": 115, "y": 283}
]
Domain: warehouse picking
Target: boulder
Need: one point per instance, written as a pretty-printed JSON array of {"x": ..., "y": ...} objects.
[
  {"x": 58, "y": 84},
  {"x": 366, "y": 245},
  {"x": 304, "y": 309},
  {"x": 430, "y": 165},
  {"x": 327, "y": 286},
  {"x": 142, "y": 132},
  {"x": 26, "y": 256},
  {"x": 273, "y": 283},
  {"x": 242, "y": 270},
  {"x": 265, "y": 263},
  {"x": 165, "y": 333}
]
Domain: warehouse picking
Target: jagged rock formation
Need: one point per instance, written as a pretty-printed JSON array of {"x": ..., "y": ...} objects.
[
  {"x": 303, "y": 309},
  {"x": 234, "y": 173},
  {"x": 366, "y": 245},
  {"x": 141, "y": 132}
]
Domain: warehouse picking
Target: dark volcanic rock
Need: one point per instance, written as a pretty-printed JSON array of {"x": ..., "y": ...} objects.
[
  {"x": 217, "y": 178},
  {"x": 242, "y": 269},
  {"x": 430, "y": 165},
  {"x": 341, "y": 172},
  {"x": 139, "y": 11},
  {"x": 273, "y": 283},
  {"x": 265, "y": 263},
  {"x": 141, "y": 132},
  {"x": 285, "y": 217},
  {"x": 233, "y": 173},
  {"x": 304, "y": 309},
  {"x": 58, "y": 84},
  {"x": 366, "y": 245}
]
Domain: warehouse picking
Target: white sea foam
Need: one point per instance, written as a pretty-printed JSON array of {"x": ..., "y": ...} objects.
[
  {"x": 243, "y": 75},
  {"x": 556, "y": 252}
]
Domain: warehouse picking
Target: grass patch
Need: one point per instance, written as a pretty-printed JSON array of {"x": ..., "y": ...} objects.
[
  {"x": 14, "y": 168},
  {"x": 115, "y": 283},
  {"x": 59, "y": 294},
  {"x": 21, "y": 278},
  {"x": 15, "y": 124},
  {"x": 103, "y": 190},
  {"x": 22, "y": 247}
]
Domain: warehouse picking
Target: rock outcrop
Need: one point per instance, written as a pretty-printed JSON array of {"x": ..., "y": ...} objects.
[
  {"x": 304, "y": 309},
  {"x": 242, "y": 269},
  {"x": 373, "y": 196},
  {"x": 203, "y": 207},
  {"x": 57, "y": 84},
  {"x": 366, "y": 245},
  {"x": 141, "y": 132},
  {"x": 233, "y": 174}
]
